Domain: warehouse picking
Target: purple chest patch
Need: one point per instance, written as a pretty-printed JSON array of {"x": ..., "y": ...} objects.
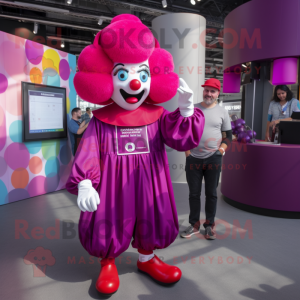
[{"x": 132, "y": 140}]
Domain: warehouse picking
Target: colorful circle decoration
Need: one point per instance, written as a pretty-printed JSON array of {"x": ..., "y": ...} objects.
[
  {"x": 52, "y": 167},
  {"x": 33, "y": 147},
  {"x": 51, "y": 60},
  {"x": 36, "y": 186},
  {"x": 3, "y": 167},
  {"x": 34, "y": 52},
  {"x": 3, "y": 83},
  {"x": 3, "y": 192},
  {"x": 35, "y": 165},
  {"x": 15, "y": 131},
  {"x": 50, "y": 77},
  {"x": 64, "y": 69},
  {"x": 50, "y": 149},
  {"x": 36, "y": 75},
  {"x": 65, "y": 154},
  {"x": 16, "y": 195},
  {"x": 17, "y": 156},
  {"x": 20, "y": 178},
  {"x": 51, "y": 182}
]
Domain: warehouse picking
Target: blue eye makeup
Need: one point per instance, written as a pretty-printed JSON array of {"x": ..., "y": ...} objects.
[
  {"x": 144, "y": 74},
  {"x": 122, "y": 74}
]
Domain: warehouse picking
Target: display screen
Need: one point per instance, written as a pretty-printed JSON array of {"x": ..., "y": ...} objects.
[{"x": 44, "y": 112}]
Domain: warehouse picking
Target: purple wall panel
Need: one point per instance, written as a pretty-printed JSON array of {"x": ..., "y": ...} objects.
[{"x": 278, "y": 24}]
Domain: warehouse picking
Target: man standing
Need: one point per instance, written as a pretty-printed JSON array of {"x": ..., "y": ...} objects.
[
  {"x": 206, "y": 160},
  {"x": 76, "y": 128},
  {"x": 87, "y": 116}
]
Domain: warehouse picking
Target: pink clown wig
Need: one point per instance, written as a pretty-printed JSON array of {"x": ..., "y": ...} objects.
[{"x": 125, "y": 40}]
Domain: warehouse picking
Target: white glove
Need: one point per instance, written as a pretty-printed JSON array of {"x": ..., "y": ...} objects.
[
  {"x": 185, "y": 99},
  {"x": 88, "y": 198}
]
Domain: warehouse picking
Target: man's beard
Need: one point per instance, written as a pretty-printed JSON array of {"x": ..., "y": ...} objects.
[{"x": 209, "y": 101}]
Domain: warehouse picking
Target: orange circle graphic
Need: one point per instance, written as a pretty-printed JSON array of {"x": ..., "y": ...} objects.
[
  {"x": 35, "y": 165},
  {"x": 20, "y": 178}
]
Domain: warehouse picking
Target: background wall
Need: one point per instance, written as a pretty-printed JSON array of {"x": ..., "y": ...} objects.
[{"x": 33, "y": 168}]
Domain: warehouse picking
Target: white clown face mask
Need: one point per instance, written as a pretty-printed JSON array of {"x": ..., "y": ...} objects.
[{"x": 131, "y": 84}]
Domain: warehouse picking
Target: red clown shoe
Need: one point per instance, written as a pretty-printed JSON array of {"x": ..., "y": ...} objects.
[
  {"x": 108, "y": 281},
  {"x": 160, "y": 271}
]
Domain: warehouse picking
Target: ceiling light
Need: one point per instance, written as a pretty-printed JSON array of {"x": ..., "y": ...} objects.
[
  {"x": 164, "y": 3},
  {"x": 62, "y": 44},
  {"x": 244, "y": 66},
  {"x": 69, "y": 2},
  {"x": 35, "y": 27},
  {"x": 193, "y": 2},
  {"x": 100, "y": 21}
]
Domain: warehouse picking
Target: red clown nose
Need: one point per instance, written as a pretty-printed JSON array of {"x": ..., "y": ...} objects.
[{"x": 135, "y": 84}]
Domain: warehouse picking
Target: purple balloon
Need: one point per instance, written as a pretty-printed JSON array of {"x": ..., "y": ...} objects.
[
  {"x": 245, "y": 139},
  {"x": 249, "y": 133},
  {"x": 241, "y": 129},
  {"x": 232, "y": 125},
  {"x": 234, "y": 117},
  {"x": 238, "y": 123},
  {"x": 241, "y": 135}
]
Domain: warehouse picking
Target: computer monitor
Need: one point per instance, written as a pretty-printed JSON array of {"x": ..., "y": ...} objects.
[
  {"x": 289, "y": 132},
  {"x": 44, "y": 112},
  {"x": 295, "y": 115}
]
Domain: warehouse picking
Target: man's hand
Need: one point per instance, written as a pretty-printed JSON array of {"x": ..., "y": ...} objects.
[{"x": 185, "y": 99}]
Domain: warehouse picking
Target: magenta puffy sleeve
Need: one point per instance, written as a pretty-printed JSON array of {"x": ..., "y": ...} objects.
[
  {"x": 182, "y": 133},
  {"x": 86, "y": 164}
]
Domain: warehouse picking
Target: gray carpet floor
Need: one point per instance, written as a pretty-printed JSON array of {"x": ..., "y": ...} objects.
[{"x": 254, "y": 257}]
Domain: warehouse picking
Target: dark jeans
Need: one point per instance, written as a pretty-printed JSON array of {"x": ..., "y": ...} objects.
[{"x": 195, "y": 169}]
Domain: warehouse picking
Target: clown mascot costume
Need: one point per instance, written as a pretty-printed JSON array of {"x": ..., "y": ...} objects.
[{"x": 120, "y": 171}]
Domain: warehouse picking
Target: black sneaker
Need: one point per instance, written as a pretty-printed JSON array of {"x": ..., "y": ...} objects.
[
  {"x": 210, "y": 233},
  {"x": 189, "y": 232}
]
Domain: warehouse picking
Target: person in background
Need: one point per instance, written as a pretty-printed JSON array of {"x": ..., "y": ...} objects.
[
  {"x": 206, "y": 160},
  {"x": 281, "y": 108},
  {"x": 87, "y": 116},
  {"x": 76, "y": 129}
]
